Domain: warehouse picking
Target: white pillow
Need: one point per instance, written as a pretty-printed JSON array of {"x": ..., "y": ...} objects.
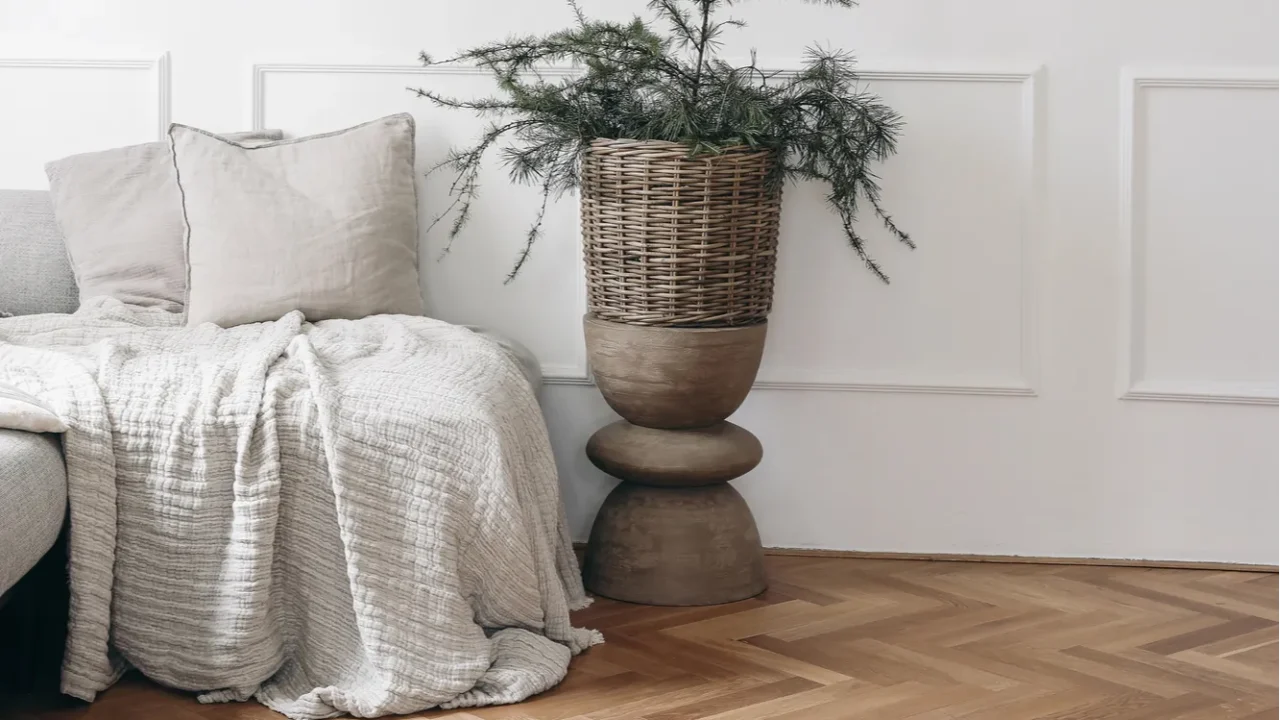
[
  {"x": 326, "y": 224},
  {"x": 20, "y": 411}
]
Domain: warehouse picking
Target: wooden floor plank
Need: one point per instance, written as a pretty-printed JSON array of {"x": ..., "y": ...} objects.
[{"x": 880, "y": 639}]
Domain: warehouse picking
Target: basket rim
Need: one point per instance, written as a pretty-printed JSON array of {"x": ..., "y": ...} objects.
[{"x": 614, "y": 143}]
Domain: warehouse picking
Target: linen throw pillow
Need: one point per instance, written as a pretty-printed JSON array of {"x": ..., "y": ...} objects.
[
  {"x": 20, "y": 411},
  {"x": 326, "y": 224},
  {"x": 121, "y": 221}
]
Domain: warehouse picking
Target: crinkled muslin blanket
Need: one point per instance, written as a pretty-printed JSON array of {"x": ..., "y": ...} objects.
[{"x": 350, "y": 516}]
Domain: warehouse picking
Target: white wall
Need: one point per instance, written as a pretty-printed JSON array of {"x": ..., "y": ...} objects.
[{"x": 1080, "y": 359}]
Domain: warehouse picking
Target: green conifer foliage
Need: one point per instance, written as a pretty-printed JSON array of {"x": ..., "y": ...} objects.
[{"x": 662, "y": 79}]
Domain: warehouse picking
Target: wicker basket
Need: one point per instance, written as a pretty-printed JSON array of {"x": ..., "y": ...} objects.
[{"x": 678, "y": 242}]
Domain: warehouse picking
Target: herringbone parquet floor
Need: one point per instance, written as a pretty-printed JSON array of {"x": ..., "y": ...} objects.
[{"x": 875, "y": 640}]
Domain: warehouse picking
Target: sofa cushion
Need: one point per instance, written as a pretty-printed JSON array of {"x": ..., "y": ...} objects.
[
  {"x": 35, "y": 275},
  {"x": 522, "y": 355},
  {"x": 33, "y": 500}
]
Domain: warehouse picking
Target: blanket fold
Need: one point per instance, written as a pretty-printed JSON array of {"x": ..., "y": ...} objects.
[{"x": 342, "y": 517}]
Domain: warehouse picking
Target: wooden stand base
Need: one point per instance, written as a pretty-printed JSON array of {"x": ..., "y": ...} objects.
[
  {"x": 674, "y": 532},
  {"x": 674, "y": 546}
]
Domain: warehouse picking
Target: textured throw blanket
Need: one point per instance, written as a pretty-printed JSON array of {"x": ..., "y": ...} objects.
[{"x": 343, "y": 517}]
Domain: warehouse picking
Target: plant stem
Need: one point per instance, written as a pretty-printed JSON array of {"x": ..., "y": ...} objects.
[{"x": 702, "y": 48}]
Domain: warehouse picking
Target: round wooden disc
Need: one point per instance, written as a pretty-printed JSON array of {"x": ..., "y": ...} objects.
[
  {"x": 674, "y": 546},
  {"x": 674, "y": 458}
]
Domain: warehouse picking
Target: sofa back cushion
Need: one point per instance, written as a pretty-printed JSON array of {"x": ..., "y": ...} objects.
[{"x": 35, "y": 275}]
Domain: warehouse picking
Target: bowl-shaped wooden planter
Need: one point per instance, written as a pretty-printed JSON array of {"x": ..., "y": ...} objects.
[{"x": 671, "y": 378}]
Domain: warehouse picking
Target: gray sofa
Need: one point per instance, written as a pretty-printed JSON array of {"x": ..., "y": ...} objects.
[{"x": 35, "y": 277}]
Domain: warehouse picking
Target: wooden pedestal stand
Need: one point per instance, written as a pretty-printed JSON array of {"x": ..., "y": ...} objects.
[{"x": 674, "y": 532}]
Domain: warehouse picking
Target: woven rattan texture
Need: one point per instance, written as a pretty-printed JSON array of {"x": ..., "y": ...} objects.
[{"x": 676, "y": 241}]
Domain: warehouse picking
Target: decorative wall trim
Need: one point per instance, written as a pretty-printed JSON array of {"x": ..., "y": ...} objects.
[
  {"x": 1019, "y": 559},
  {"x": 1131, "y": 341},
  {"x": 1219, "y": 566},
  {"x": 260, "y": 73},
  {"x": 1218, "y": 392},
  {"x": 158, "y": 66},
  {"x": 566, "y": 375},
  {"x": 932, "y": 386},
  {"x": 570, "y": 375},
  {"x": 1031, "y": 146}
]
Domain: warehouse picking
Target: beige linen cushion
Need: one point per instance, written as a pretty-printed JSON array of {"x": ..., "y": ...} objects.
[
  {"x": 121, "y": 221},
  {"x": 326, "y": 224}
]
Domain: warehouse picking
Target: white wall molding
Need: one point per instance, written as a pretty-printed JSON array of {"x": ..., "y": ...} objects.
[
  {"x": 931, "y": 386},
  {"x": 1131, "y": 344},
  {"x": 158, "y": 66},
  {"x": 1030, "y": 147},
  {"x": 1214, "y": 392},
  {"x": 567, "y": 375},
  {"x": 257, "y": 103}
]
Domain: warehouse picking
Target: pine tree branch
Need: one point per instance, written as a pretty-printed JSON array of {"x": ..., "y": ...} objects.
[
  {"x": 535, "y": 231},
  {"x": 678, "y": 19},
  {"x": 637, "y": 83}
]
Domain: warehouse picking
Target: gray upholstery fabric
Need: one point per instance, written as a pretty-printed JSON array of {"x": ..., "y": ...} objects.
[
  {"x": 35, "y": 274},
  {"x": 523, "y": 356},
  {"x": 33, "y": 500}
]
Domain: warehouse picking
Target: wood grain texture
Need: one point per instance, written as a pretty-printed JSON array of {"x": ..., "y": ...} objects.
[
  {"x": 674, "y": 546},
  {"x": 673, "y": 378},
  {"x": 842, "y": 639},
  {"x": 674, "y": 458}
]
